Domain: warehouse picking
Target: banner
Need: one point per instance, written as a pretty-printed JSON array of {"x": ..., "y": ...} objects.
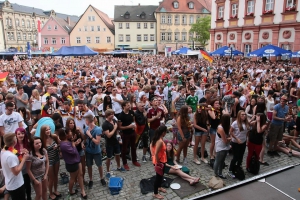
[{"x": 28, "y": 50}]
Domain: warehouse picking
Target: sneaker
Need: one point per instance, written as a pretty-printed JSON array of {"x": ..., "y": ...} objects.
[
  {"x": 104, "y": 157},
  {"x": 91, "y": 183},
  {"x": 185, "y": 161},
  {"x": 121, "y": 169},
  {"x": 126, "y": 167},
  {"x": 222, "y": 177},
  {"x": 270, "y": 153},
  {"x": 230, "y": 174},
  {"x": 205, "y": 161},
  {"x": 107, "y": 175},
  {"x": 103, "y": 182},
  {"x": 275, "y": 153},
  {"x": 136, "y": 164},
  {"x": 144, "y": 159}
]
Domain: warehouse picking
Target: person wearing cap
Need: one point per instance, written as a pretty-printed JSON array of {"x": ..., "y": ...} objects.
[
  {"x": 48, "y": 108},
  {"x": 280, "y": 115}
]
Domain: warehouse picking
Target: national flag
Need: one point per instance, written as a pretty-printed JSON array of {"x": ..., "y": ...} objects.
[
  {"x": 206, "y": 56},
  {"x": 3, "y": 76}
]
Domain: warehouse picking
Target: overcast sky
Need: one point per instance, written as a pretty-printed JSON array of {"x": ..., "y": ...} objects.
[{"x": 77, "y": 7}]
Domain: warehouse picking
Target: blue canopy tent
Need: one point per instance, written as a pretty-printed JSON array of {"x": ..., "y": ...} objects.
[
  {"x": 75, "y": 51},
  {"x": 296, "y": 54},
  {"x": 268, "y": 51},
  {"x": 183, "y": 50},
  {"x": 226, "y": 51}
]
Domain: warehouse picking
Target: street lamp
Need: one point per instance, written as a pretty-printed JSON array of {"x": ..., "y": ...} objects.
[{"x": 232, "y": 48}]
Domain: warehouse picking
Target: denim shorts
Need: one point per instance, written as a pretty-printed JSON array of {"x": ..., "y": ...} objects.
[
  {"x": 212, "y": 131},
  {"x": 112, "y": 150},
  {"x": 200, "y": 133},
  {"x": 186, "y": 136},
  {"x": 93, "y": 157},
  {"x": 81, "y": 153}
]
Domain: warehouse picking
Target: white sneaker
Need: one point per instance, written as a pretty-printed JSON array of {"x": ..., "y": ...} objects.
[{"x": 230, "y": 174}]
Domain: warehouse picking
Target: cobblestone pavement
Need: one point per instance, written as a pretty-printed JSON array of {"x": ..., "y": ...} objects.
[{"x": 131, "y": 189}]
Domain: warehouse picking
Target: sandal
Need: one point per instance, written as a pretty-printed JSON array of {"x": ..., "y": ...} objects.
[
  {"x": 158, "y": 196},
  {"x": 54, "y": 197},
  {"x": 57, "y": 195},
  {"x": 71, "y": 194},
  {"x": 162, "y": 190}
]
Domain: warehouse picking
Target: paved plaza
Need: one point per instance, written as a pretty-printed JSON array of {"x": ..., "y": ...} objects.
[{"x": 131, "y": 189}]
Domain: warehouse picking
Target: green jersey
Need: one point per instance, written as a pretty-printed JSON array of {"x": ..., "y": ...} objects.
[
  {"x": 192, "y": 101},
  {"x": 298, "y": 104}
]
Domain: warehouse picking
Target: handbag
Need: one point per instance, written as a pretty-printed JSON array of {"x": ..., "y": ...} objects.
[
  {"x": 159, "y": 168},
  {"x": 215, "y": 183}
]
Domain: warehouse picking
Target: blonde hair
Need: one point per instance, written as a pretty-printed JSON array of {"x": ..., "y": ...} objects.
[{"x": 36, "y": 94}]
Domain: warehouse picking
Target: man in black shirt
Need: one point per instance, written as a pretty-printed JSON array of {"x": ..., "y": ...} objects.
[
  {"x": 206, "y": 98},
  {"x": 127, "y": 125},
  {"x": 109, "y": 128},
  {"x": 28, "y": 88}
]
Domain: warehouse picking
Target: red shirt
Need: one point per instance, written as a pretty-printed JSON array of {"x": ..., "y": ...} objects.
[{"x": 155, "y": 123}]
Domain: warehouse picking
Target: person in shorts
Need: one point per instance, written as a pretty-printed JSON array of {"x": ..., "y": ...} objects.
[
  {"x": 92, "y": 147},
  {"x": 280, "y": 113},
  {"x": 109, "y": 128}
]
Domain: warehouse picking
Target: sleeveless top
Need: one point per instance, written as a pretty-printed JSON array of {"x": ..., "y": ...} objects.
[
  {"x": 161, "y": 154},
  {"x": 52, "y": 153},
  {"x": 180, "y": 102},
  {"x": 219, "y": 144}
]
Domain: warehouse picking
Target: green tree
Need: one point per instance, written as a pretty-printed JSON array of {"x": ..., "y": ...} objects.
[{"x": 201, "y": 29}]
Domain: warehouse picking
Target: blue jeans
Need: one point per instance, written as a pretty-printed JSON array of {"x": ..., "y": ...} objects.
[{"x": 219, "y": 160}]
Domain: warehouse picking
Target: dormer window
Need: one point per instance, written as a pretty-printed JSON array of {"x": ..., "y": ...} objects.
[
  {"x": 191, "y": 5},
  {"x": 143, "y": 15},
  {"x": 127, "y": 15},
  {"x": 175, "y": 4}
]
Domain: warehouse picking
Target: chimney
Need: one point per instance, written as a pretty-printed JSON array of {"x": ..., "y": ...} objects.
[{"x": 68, "y": 21}]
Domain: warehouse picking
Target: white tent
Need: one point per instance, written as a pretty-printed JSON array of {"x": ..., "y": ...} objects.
[{"x": 192, "y": 53}]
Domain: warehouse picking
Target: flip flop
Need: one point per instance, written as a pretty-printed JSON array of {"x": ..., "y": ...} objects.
[{"x": 158, "y": 196}]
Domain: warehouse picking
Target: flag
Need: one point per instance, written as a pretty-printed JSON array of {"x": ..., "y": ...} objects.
[
  {"x": 206, "y": 56},
  {"x": 3, "y": 76}
]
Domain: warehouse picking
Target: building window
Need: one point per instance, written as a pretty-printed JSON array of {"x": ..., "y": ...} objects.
[
  {"x": 17, "y": 22},
  {"x": 45, "y": 40},
  {"x": 183, "y": 19},
  {"x": 98, "y": 28},
  {"x": 55, "y": 27},
  {"x": 176, "y": 36},
  {"x": 127, "y": 26},
  {"x": 53, "y": 40},
  {"x": 191, "y": 36},
  {"x": 23, "y": 23},
  {"x": 220, "y": 12},
  {"x": 152, "y": 25},
  {"x": 139, "y": 38},
  {"x": 24, "y": 36},
  {"x": 88, "y": 40},
  {"x": 63, "y": 40},
  {"x": 10, "y": 36},
  {"x": 176, "y": 19},
  {"x": 290, "y": 3},
  {"x": 145, "y": 25},
  {"x": 191, "y": 19},
  {"x": 120, "y": 38},
  {"x": 89, "y": 18},
  {"x": 145, "y": 37},
  {"x": 79, "y": 29},
  {"x": 169, "y": 36},
  {"x": 93, "y": 18},
  {"x": 33, "y": 24},
  {"x": 127, "y": 38},
  {"x": 18, "y": 36},
  {"x": 176, "y": 5},
  {"x": 97, "y": 40},
  {"x": 269, "y": 5},
  {"x": 163, "y": 36},
  {"x": 183, "y": 36},
  {"x": 78, "y": 40},
  {"x": 218, "y": 46},
  {"x": 138, "y": 25},
  {"x": 49, "y": 27},
  {"x": 108, "y": 40},
  {"x": 120, "y": 25},
  {"x": 234, "y": 10},
  {"x": 250, "y": 7},
  {"x": 191, "y": 5},
  {"x": 92, "y": 28},
  {"x": 85, "y": 28},
  {"x": 151, "y": 37},
  {"x": 104, "y": 29},
  {"x": 28, "y": 24},
  {"x": 163, "y": 19},
  {"x": 169, "y": 19},
  {"x": 29, "y": 36},
  {"x": 247, "y": 49}
]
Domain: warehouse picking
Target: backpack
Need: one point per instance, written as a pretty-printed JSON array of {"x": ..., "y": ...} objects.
[
  {"x": 199, "y": 153},
  {"x": 254, "y": 164},
  {"x": 239, "y": 173},
  {"x": 215, "y": 183}
]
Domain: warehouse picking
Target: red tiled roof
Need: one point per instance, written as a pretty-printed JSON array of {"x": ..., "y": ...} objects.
[{"x": 183, "y": 6}]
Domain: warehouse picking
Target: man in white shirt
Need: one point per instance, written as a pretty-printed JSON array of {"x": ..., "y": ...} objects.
[{"x": 10, "y": 120}]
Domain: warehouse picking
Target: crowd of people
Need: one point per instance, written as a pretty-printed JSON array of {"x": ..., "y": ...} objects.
[{"x": 87, "y": 109}]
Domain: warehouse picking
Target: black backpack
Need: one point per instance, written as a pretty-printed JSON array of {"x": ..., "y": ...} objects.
[
  {"x": 239, "y": 173},
  {"x": 254, "y": 164},
  {"x": 199, "y": 153}
]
